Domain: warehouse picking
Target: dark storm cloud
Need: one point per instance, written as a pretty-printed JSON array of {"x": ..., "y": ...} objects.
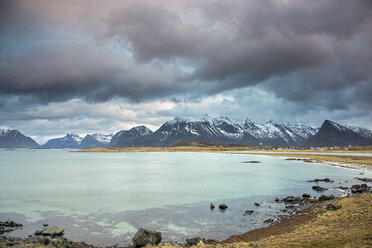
[{"x": 300, "y": 50}]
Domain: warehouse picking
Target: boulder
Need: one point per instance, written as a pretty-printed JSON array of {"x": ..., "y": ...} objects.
[
  {"x": 305, "y": 195},
  {"x": 223, "y": 206},
  {"x": 331, "y": 207},
  {"x": 257, "y": 204},
  {"x": 193, "y": 240},
  {"x": 53, "y": 231},
  {"x": 326, "y": 197},
  {"x": 146, "y": 237}
]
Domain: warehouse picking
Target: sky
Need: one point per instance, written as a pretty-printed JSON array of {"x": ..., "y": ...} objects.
[{"x": 93, "y": 66}]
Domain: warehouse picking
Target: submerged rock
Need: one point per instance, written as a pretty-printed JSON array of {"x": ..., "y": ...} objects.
[
  {"x": 248, "y": 212},
  {"x": 146, "y": 237},
  {"x": 326, "y": 180},
  {"x": 318, "y": 188},
  {"x": 223, "y": 206},
  {"x": 53, "y": 231},
  {"x": 364, "y": 179},
  {"x": 193, "y": 240}
]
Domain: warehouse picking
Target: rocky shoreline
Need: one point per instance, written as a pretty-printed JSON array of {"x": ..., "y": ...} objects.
[{"x": 294, "y": 208}]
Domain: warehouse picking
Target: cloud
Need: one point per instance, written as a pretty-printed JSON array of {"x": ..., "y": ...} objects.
[{"x": 306, "y": 56}]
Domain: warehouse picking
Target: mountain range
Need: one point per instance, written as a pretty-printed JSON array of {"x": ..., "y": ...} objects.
[{"x": 217, "y": 130}]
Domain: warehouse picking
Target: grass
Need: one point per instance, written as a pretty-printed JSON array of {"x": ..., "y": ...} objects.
[{"x": 350, "y": 226}]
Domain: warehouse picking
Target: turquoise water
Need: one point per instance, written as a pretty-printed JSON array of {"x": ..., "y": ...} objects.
[{"x": 103, "y": 198}]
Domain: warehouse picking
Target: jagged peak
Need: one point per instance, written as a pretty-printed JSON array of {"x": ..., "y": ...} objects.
[
  {"x": 335, "y": 125},
  {"x": 141, "y": 129}
]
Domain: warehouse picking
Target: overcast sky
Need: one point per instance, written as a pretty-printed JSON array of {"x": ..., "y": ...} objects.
[{"x": 101, "y": 66}]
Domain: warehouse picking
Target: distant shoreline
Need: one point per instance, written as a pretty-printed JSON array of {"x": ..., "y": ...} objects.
[{"x": 345, "y": 161}]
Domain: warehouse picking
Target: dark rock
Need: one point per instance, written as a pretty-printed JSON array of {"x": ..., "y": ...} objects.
[
  {"x": 269, "y": 221},
  {"x": 2, "y": 230},
  {"x": 367, "y": 180},
  {"x": 211, "y": 206},
  {"x": 326, "y": 180},
  {"x": 252, "y": 162},
  {"x": 318, "y": 188},
  {"x": 45, "y": 224},
  {"x": 306, "y": 195},
  {"x": 53, "y": 231},
  {"x": 257, "y": 204},
  {"x": 292, "y": 199},
  {"x": 41, "y": 240},
  {"x": 248, "y": 212},
  {"x": 193, "y": 240},
  {"x": 58, "y": 243},
  {"x": 342, "y": 187},
  {"x": 290, "y": 206},
  {"x": 38, "y": 232},
  {"x": 146, "y": 237},
  {"x": 362, "y": 188},
  {"x": 223, "y": 206},
  {"x": 332, "y": 207},
  {"x": 277, "y": 200},
  {"x": 326, "y": 197}
]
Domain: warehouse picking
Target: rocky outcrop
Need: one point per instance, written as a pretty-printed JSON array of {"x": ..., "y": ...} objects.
[
  {"x": 146, "y": 237},
  {"x": 53, "y": 231},
  {"x": 193, "y": 240}
]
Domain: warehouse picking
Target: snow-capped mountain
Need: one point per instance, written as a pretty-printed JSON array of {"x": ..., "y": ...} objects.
[
  {"x": 69, "y": 141},
  {"x": 126, "y": 138},
  {"x": 95, "y": 140},
  {"x": 219, "y": 130},
  {"x": 74, "y": 141},
  {"x": 14, "y": 139},
  {"x": 334, "y": 134},
  {"x": 361, "y": 130}
]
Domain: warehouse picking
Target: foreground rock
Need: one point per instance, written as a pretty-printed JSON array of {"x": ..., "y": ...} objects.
[
  {"x": 9, "y": 226},
  {"x": 326, "y": 197},
  {"x": 193, "y": 240},
  {"x": 146, "y": 237},
  {"x": 331, "y": 207},
  {"x": 362, "y": 188},
  {"x": 52, "y": 231}
]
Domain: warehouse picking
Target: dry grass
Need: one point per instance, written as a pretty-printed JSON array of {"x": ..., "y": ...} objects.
[{"x": 350, "y": 226}]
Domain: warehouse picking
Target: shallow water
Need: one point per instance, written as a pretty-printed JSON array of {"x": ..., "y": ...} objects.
[{"x": 102, "y": 198}]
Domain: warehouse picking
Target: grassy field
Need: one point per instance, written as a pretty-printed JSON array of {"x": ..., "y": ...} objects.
[{"x": 350, "y": 226}]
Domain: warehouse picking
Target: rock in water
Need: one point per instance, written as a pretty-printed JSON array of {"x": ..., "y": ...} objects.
[
  {"x": 223, "y": 206},
  {"x": 193, "y": 240},
  {"x": 211, "y": 206},
  {"x": 53, "y": 231},
  {"x": 146, "y": 237},
  {"x": 318, "y": 188}
]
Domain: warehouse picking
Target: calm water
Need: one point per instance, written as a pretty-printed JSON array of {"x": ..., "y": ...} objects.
[{"x": 102, "y": 198}]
